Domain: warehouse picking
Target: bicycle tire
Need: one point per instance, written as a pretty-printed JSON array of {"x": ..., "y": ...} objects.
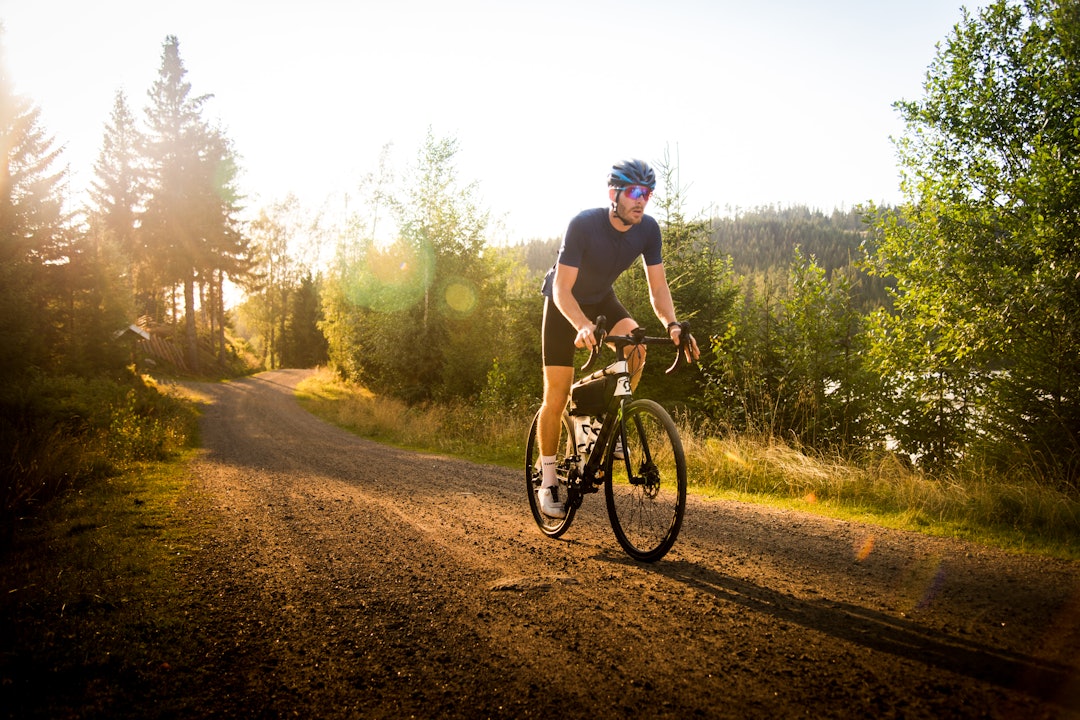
[
  {"x": 552, "y": 527},
  {"x": 646, "y": 491}
]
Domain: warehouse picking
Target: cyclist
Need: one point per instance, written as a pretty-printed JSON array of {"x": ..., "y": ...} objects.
[{"x": 599, "y": 245}]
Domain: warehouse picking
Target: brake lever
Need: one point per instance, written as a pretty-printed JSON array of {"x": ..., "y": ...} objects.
[
  {"x": 683, "y": 349},
  {"x": 600, "y": 334}
]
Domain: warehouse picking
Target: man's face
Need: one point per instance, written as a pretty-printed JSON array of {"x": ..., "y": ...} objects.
[{"x": 631, "y": 202}]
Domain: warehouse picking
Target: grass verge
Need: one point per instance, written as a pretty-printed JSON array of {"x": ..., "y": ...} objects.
[
  {"x": 1018, "y": 514},
  {"x": 59, "y": 433},
  {"x": 489, "y": 435},
  {"x": 88, "y": 595}
]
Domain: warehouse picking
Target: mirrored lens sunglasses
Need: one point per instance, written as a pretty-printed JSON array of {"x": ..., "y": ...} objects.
[{"x": 637, "y": 192}]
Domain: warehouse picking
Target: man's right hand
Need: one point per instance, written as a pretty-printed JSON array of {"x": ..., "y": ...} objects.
[{"x": 586, "y": 337}]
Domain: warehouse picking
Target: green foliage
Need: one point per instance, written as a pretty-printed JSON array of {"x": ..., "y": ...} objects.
[
  {"x": 498, "y": 391},
  {"x": 537, "y": 256},
  {"x": 420, "y": 317},
  {"x": 116, "y": 193},
  {"x": 516, "y": 276},
  {"x": 824, "y": 343},
  {"x": 791, "y": 363},
  {"x": 283, "y": 306},
  {"x": 790, "y": 360},
  {"x": 189, "y": 225},
  {"x": 342, "y": 315},
  {"x": 984, "y": 347},
  {"x": 744, "y": 366},
  {"x": 58, "y": 432},
  {"x": 761, "y": 240},
  {"x": 143, "y": 425},
  {"x": 35, "y": 240},
  {"x": 304, "y": 344}
]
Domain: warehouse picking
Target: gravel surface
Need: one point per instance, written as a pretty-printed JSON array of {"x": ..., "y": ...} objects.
[{"x": 343, "y": 578}]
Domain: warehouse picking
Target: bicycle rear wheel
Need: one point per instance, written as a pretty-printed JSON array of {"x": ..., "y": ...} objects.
[
  {"x": 552, "y": 527},
  {"x": 646, "y": 491}
]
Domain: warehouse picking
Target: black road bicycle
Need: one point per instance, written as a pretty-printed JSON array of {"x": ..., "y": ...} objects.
[{"x": 629, "y": 446}]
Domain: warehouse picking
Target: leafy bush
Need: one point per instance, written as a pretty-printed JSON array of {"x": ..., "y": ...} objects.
[{"x": 58, "y": 432}]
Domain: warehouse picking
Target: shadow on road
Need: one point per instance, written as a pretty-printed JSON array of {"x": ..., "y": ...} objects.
[{"x": 1048, "y": 681}]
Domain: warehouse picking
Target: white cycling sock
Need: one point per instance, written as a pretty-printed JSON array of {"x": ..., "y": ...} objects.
[{"x": 547, "y": 467}]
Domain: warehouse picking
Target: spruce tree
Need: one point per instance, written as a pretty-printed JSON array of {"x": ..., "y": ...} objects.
[
  {"x": 190, "y": 224},
  {"x": 35, "y": 236},
  {"x": 118, "y": 193}
]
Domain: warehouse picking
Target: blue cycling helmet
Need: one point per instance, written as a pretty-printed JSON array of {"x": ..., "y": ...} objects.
[{"x": 632, "y": 172}]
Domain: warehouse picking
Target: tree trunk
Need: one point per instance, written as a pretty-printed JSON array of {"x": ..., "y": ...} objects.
[
  {"x": 189, "y": 313},
  {"x": 221, "y": 317}
]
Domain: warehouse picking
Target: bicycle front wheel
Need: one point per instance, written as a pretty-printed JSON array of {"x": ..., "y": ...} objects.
[
  {"x": 552, "y": 527},
  {"x": 646, "y": 488}
]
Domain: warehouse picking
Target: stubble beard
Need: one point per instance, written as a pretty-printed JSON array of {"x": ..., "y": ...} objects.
[{"x": 626, "y": 216}]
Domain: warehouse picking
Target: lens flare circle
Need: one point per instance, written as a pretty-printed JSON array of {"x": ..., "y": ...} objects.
[
  {"x": 460, "y": 297},
  {"x": 393, "y": 278}
]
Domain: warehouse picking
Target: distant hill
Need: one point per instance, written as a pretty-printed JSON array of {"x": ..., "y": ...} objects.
[{"x": 762, "y": 241}]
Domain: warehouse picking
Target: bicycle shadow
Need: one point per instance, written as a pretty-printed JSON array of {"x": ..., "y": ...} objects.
[{"x": 877, "y": 631}]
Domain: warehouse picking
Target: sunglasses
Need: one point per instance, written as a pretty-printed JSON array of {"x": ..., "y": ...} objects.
[{"x": 637, "y": 192}]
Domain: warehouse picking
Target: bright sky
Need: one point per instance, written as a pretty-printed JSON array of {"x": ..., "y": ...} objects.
[{"x": 766, "y": 102}]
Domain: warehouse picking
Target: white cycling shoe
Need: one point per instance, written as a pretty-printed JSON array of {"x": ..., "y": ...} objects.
[{"x": 549, "y": 502}]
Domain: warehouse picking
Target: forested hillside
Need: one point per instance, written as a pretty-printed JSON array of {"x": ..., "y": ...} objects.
[{"x": 762, "y": 241}]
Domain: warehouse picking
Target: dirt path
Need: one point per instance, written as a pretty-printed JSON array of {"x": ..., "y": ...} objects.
[{"x": 347, "y": 579}]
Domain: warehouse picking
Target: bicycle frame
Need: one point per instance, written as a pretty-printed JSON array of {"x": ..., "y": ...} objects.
[{"x": 587, "y": 474}]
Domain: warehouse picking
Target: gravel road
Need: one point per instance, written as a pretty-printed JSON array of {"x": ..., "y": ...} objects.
[{"x": 343, "y": 578}]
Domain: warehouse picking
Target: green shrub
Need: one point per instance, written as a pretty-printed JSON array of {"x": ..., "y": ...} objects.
[{"x": 59, "y": 432}]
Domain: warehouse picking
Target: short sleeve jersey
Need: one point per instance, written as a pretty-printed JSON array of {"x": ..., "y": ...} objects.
[{"x": 601, "y": 253}]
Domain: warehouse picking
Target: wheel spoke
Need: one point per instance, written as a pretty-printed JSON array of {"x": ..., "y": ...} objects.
[{"x": 646, "y": 504}]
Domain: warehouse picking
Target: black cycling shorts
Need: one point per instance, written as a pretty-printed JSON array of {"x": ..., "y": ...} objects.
[{"x": 559, "y": 334}]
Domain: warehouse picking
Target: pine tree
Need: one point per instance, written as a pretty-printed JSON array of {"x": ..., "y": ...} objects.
[
  {"x": 227, "y": 252},
  {"x": 35, "y": 235},
  {"x": 190, "y": 225},
  {"x": 304, "y": 344},
  {"x": 118, "y": 192}
]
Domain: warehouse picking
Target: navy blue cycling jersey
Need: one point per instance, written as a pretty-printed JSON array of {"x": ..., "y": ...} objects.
[{"x": 601, "y": 253}]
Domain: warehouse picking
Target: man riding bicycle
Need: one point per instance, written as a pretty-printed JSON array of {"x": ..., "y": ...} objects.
[{"x": 599, "y": 245}]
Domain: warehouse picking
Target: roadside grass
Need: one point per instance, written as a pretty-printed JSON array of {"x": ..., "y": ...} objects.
[
  {"x": 94, "y": 470},
  {"x": 1019, "y": 513},
  {"x": 489, "y": 435},
  {"x": 87, "y": 595},
  {"x": 61, "y": 432}
]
